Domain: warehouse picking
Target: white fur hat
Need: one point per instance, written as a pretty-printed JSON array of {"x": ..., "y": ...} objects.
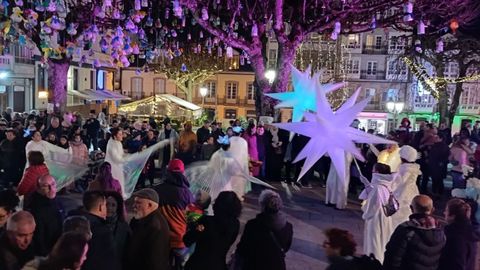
[{"x": 408, "y": 153}]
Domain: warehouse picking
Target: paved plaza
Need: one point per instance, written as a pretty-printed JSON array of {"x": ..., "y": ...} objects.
[{"x": 309, "y": 216}]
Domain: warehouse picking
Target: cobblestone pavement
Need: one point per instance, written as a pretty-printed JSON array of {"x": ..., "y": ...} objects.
[{"x": 309, "y": 216}]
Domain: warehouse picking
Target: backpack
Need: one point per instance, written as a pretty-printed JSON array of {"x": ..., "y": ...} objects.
[
  {"x": 392, "y": 205},
  {"x": 365, "y": 262}
]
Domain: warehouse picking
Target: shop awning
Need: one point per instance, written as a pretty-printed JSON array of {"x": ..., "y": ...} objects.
[
  {"x": 90, "y": 94},
  {"x": 164, "y": 104}
]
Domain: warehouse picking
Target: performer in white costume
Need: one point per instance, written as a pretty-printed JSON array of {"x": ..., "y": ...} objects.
[
  {"x": 405, "y": 187},
  {"x": 337, "y": 187},
  {"x": 227, "y": 170},
  {"x": 378, "y": 227},
  {"x": 57, "y": 159},
  {"x": 127, "y": 168}
]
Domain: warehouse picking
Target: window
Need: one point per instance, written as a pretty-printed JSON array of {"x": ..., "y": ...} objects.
[
  {"x": 212, "y": 89},
  {"x": 92, "y": 79},
  {"x": 250, "y": 91},
  {"x": 23, "y": 54},
  {"x": 75, "y": 79},
  {"x": 451, "y": 70},
  {"x": 469, "y": 95},
  {"x": 136, "y": 87},
  {"x": 100, "y": 79},
  {"x": 353, "y": 41},
  {"x": 159, "y": 86},
  {"x": 371, "y": 68},
  {"x": 369, "y": 41},
  {"x": 353, "y": 66},
  {"x": 396, "y": 43},
  {"x": 232, "y": 90},
  {"x": 230, "y": 114},
  {"x": 272, "y": 58},
  {"x": 378, "y": 42},
  {"x": 42, "y": 83},
  {"x": 370, "y": 92},
  {"x": 396, "y": 67}
]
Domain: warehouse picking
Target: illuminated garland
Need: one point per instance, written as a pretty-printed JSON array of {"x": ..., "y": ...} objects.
[{"x": 429, "y": 82}]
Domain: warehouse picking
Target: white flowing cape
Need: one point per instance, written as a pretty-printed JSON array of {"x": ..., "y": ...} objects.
[
  {"x": 127, "y": 168},
  {"x": 223, "y": 172},
  {"x": 61, "y": 163}
]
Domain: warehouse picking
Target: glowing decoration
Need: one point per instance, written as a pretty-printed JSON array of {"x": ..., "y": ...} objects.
[
  {"x": 421, "y": 28},
  {"x": 183, "y": 68},
  {"x": 439, "y": 47},
  {"x": 177, "y": 9},
  {"x": 254, "y": 32},
  {"x": 330, "y": 133},
  {"x": 16, "y": 16},
  {"x": 305, "y": 92},
  {"x": 373, "y": 24},
  {"x": 408, "y": 10},
  {"x": 454, "y": 25},
  {"x": 334, "y": 36},
  {"x": 337, "y": 28},
  {"x": 138, "y": 5}
]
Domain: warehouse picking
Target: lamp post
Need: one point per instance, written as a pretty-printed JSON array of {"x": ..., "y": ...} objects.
[
  {"x": 395, "y": 108},
  {"x": 203, "y": 93},
  {"x": 270, "y": 75}
]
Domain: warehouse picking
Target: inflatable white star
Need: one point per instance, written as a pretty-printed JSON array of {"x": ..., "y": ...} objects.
[
  {"x": 305, "y": 90},
  {"x": 330, "y": 133}
]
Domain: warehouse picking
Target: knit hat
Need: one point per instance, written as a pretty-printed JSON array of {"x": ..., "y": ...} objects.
[
  {"x": 176, "y": 165},
  {"x": 408, "y": 153},
  {"x": 147, "y": 193}
]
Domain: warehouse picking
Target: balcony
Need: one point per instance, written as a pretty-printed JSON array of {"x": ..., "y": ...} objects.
[
  {"x": 423, "y": 107},
  {"x": 6, "y": 62},
  {"x": 374, "y": 106},
  {"x": 473, "y": 109},
  {"x": 375, "y": 50},
  {"x": 378, "y": 75}
]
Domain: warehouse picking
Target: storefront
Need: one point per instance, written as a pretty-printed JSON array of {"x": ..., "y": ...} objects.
[{"x": 374, "y": 120}]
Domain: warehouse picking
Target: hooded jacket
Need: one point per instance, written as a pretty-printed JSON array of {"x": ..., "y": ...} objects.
[
  {"x": 415, "y": 245},
  {"x": 265, "y": 241},
  {"x": 174, "y": 197}
]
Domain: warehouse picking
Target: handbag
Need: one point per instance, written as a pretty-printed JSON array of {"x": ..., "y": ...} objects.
[{"x": 392, "y": 205}]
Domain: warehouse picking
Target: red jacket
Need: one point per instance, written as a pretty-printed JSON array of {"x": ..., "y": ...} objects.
[{"x": 28, "y": 184}]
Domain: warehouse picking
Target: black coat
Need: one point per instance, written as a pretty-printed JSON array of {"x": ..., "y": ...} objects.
[
  {"x": 414, "y": 246},
  {"x": 342, "y": 263},
  {"x": 264, "y": 242},
  {"x": 49, "y": 219},
  {"x": 121, "y": 237},
  {"x": 150, "y": 244},
  {"x": 202, "y": 135},
  {"x": 458, "y": 253},
  {"x": 101, "y": 248},
  {"x": 212, "y": 244},
  {"x": 12, "y": 258}
]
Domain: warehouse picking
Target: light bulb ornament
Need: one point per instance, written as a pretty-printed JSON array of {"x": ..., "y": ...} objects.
[
  {"x": 305, "y": 90},
  {"x": 330, "y": 133}
]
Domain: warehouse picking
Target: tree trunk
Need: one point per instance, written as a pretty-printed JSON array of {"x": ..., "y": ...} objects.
[
  {"x": 264, "y": 105},
  {"x": 57, "y": 84},
  {"x": 187, "y": 88},
  {"x": 462, "y": 73},
  {"x": 443, "y": 103}
]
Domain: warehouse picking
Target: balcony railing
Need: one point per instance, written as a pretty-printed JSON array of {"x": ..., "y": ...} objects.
[
  {"x": 376, "y": 106},
  {"x": 375, "y": 50},
  {"x": 6, "y": 62},
  {"x": 378, "y": 75}
]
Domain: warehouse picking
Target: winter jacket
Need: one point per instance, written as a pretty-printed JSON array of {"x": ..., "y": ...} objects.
[
  {"x": 48, "y": 219},
  {"x": 174, "y": 197},
  {"x": 342, "y": 263},
  {"x": 101, "y": 248},
  {"x": 212, "y": 244},
  {"x": 150, "y": 245},
  {"x": 121, "y": 236},
  {"x": 79, "y": 153},
  {"x": 415, "y": 245},
  {"x": 264, "y": 242},
  {"x": 28, "y": 184},
  {"x": 459, "y": 249},
  {"x": 95, "y": 185},
  {"x": 12, "y": 258}
]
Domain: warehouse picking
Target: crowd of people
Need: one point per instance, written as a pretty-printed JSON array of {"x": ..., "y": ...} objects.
[{"x": 175, "y": 228}]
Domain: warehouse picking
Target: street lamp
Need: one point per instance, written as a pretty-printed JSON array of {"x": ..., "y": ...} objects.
[
  {"x": 270, "y": 75},
  {"x": 203, "y": 93},
  {"x": 395, "y": 108}
]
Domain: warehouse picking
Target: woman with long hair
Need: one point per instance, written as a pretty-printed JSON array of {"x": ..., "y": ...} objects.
[
  {"x": 251, "y": 138},
  {"x": 104, "y": 180},
  {"x": 215, "y": 234},
  {"x": 35, "y": 170},
  {"x": 461, "y": 247},
  {"x": 116, "y": 220},
  {"x": 69, "y": 252}
]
